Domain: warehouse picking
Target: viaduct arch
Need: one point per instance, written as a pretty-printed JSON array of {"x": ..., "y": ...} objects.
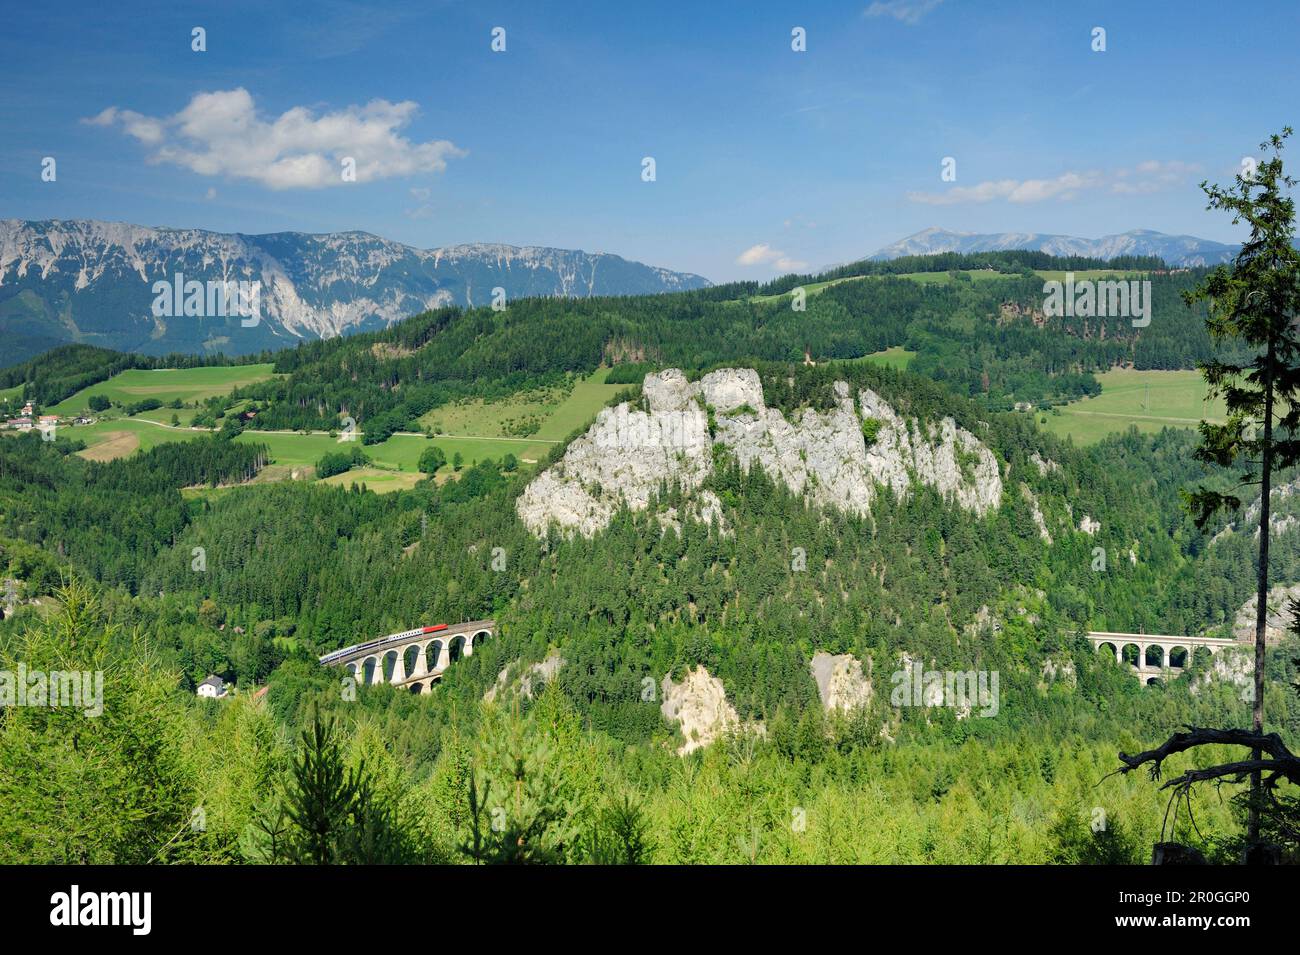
[
  {"x": 1155, "y": 655},
  {"x": 415, "y": 659}
]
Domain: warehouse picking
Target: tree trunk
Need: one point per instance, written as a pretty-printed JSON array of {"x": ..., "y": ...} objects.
[{"x": 1261, "y": 591}]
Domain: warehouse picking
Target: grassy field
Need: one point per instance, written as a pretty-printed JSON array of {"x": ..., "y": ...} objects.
[
  {"x": 164, "y": 415},
  {"x": 106, "y": 440},
  {"x": 116, "y": 438},
  {"x": 556, "y": 412},
  {"x": 165, "y": 384},
  {"x": 379, "y": 481},
  {"x": 401, "y": 452},
  {"x": 1151, "y": 400},
  {"x": 896, "y": 357},
  {"x": 1092, "y": 274},
  {"x": 986, "y": 275},
  {"x": 114, "y": 444},
  {"x": 812, "y": 288}
]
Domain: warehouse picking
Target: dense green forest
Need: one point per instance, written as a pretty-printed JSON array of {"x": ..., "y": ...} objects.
[
  {"x": 1007, "y": 261},
  {"x": 254, "y": 581}
]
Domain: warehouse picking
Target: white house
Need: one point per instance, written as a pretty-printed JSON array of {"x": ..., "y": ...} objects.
[{"x": 213, "y": 688}]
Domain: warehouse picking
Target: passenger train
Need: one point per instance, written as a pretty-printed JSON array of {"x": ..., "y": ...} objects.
[{"x": 381, "y": 641}]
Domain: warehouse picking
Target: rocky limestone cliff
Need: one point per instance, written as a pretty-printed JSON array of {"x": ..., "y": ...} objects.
[
  {"x": 705, "y": 509},
  {"x": 1277, "y": 617},
  {"x": 1036, "y": 512},
  {"x": 1045, "y": 466},
  {"x": 622, "y": 459},
  {"x": 1059, "y": 668},
  {"x": 840, "y": 681},
  {"x": 1232, "y": 665},
  {"x": 699, "y": 706},
  {"x": 629, "y": 451},
  {"x": 524, "y": 684}
]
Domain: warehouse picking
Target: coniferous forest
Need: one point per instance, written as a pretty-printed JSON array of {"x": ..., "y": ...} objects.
[{"x": 291, "y": 571}]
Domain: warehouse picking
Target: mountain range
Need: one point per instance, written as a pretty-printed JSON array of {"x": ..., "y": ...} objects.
[
  {"x": 90, "y": 281},
  {"x": 1183, "y": 251}
]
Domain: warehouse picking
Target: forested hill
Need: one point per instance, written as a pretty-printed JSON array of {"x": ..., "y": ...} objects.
[
  {"x": 341, "y": 566},
  {"x": 974, "y": 321},
  {"x": 985, "y": 338},
  {"x": 251, "y": 581},
  {"x": 291, "y": 570}
]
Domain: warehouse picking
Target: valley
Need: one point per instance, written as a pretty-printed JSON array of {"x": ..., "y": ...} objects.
[{"x": 473, "y": 430}]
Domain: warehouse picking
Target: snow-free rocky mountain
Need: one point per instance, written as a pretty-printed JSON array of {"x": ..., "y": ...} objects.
[
  {"x": 1182, "y": 251},
  {"x": 630, "y": 451},
  {"x": 91, "y": 281}
]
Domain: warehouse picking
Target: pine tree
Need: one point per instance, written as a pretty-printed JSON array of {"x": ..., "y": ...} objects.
[
  {"x": 1253, "y": 304},
  {"x": 322, "y": 796},
  {"x": 521, "y": 806}
]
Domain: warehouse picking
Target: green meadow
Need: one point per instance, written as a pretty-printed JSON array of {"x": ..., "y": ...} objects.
[
  {"x": 165, "y": 384},
  {"x": 401, "y": 452},
  {"x": 555, "y": 412},
  {"x": 119, "y": 437},
  {"x": 1147, "y": 400},
  {"x": 897, "y": 358}
]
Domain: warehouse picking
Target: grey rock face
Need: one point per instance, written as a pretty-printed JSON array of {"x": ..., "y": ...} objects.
[
  {"x": 545, "y": 671},
  {"x": 700, "y": 708},
  {"x": 1045, "y": 466},
  {"x": 1277, "y": 616},
  {"x": 1032, "y": 500},
  {"x": 840, "y": 681},
  {"x": 623, "y": 459},
  {"x": 628, "y": 452}
]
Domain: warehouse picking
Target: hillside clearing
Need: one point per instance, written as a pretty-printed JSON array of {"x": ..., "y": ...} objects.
[
  {"x": 1147, "y": 400},
  {"x": 115, "y": 444},
  {"x": 541, "y": 415},
  {"x": 165, "y": 384}
]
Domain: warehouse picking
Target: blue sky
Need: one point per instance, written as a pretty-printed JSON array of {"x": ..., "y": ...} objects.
[{"x": 766, "y": 159}]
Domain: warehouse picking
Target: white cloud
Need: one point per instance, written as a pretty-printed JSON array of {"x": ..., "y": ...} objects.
[
  {"x": 904, "y": 11},
  {"x": 221, "y": 134},
  {"x": 148, "y": 131},
  {"x": 1149, "y": 176},
  {"x": 764, "y": 254}
]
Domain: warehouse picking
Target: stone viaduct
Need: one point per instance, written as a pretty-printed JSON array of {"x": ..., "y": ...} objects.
[
  {"x": 415, "y": 659},
  {"x": 1155, "y": 655}
]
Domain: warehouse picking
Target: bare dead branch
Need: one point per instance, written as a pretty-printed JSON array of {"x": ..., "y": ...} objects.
[{"x": 1282, "y": 764}]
